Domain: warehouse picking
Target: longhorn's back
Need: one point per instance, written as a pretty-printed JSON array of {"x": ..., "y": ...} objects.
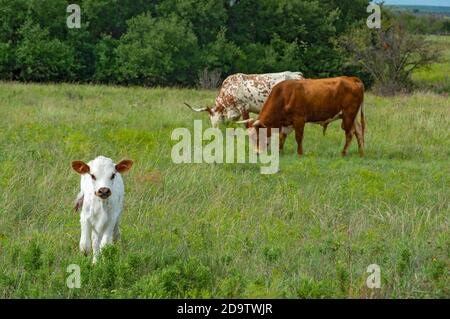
[{"x": 242, "y": 93}]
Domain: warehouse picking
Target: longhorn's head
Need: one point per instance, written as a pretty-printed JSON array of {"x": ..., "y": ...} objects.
[
  {"x": 258, "y": 133},
  {"x": 216, "y": 116}
]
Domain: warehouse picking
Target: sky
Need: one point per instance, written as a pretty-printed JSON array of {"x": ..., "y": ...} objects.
[{"x": 420, "y": 2}]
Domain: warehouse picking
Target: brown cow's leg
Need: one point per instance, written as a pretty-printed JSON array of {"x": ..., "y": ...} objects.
[
  {"x": 282, "y": 140},
  {"x": 349, "y": 127},
  {"x": 299, "y": 127},
  {"x": 359, "y": 138},
  {"x": 348, "y": 140}
]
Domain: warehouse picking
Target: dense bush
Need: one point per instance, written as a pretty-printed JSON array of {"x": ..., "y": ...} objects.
[
  {"x": 157, "y": 51},
  {"x": 424, "y": 24},
  {"x": 171, "y": 42},
  {"x": 41, "y": 58},
  {"x": 389, "y": 55}
]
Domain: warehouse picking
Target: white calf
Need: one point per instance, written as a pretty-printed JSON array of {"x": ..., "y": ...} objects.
[{"x": 101, "y": 202}]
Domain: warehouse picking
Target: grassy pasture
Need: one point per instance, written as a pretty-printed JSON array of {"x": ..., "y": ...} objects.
[
  {"x": 200, "y": 230},
  {"x": 436, "y": 77}
]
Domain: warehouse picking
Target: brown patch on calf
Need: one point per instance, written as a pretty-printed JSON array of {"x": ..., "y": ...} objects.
[
  {"x": 78, "y": 203},
  {"x": 124, "y": 166},
  {"x": 80, "y": 167}
]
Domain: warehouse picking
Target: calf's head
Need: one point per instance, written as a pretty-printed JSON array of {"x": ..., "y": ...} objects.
[{"x": 102, "y": 173}]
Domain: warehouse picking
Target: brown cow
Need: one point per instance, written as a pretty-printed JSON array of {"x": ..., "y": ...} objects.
[{"x": 292, "y": 104}]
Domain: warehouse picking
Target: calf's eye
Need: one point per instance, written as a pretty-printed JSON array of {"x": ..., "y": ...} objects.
[
  {"x": 93, "y": 176},
  {"x": 113, "y": 175}
]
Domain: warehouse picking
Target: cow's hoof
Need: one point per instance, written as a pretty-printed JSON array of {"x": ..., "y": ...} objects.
[{"x": 85, "y": 249}]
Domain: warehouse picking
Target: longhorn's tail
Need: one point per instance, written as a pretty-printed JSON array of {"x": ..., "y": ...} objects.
[{"x": 79, "y": 201}]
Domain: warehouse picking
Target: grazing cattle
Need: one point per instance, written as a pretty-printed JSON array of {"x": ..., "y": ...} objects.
[
  {"x": 292, "y": 104},
  {"x": 101, "y": 201},
  {"x": 243, "y": 93}
]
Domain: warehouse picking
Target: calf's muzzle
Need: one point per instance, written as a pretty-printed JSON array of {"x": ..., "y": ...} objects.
[{"x": 103, "y": 192}]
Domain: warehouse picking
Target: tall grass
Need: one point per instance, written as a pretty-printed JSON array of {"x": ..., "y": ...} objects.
[{"x": 200, "y": 230}]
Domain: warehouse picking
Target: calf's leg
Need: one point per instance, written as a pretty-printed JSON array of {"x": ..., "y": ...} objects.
[
  {"x": 107, "y": 237},
  {"x": 85, "y": 239},
  {"x": 95, "y": 245},
  {"x": 116, "y": 234}
]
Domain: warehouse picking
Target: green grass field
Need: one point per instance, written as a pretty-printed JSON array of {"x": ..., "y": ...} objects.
[{"x": 199, "y": 230}]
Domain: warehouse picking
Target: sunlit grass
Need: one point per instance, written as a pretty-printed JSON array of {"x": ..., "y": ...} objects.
[{"x": 199, "y": 230}]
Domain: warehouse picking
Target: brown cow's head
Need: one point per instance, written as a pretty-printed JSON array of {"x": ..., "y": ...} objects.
[
  {"x": 258, "y": 134},
  {"x": 216, "y": 115}
]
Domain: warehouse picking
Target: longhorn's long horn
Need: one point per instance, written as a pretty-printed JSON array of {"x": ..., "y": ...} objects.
[
  {"x": 243, "y": 122},
  {"x": 203, "y": 109}
]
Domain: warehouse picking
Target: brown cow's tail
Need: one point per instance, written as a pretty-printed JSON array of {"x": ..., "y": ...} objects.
[
  {"x": 324, "y": 128},
  {"x": 363, "y": 122}
]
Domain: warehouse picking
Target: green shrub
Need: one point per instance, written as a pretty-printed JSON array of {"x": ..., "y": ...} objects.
[
  {"x": 41, "y": 58},
  {"x": 157, "y": 51},
  {"x": 189, "y": 279},
  {"x": 33, "y": 257}
]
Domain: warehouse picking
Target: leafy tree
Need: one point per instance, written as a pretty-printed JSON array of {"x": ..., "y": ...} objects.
[
  {"x": 157, "y": 51},
  {"x": 206, "y": 17},
  {"x": 13, "y": 15},
  {"x": 110, "y": 17},
  {"x": 389, "y": 54},
  {"x": 349, "y": 11},
  {"x": 41, "y": 58},
  {"x": 50, "y": 15},
  {"x": 167, "y": 42},
  {"x": 82, "y": 46},
  {"x": 105, "y": 60},
  {"x": 6, "y": 61},
  {"x": 223, "y": 54}
]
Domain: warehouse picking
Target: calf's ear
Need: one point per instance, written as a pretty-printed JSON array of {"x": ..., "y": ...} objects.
[
  {"x": 80, "y": 167},
  {"x": 124, "y": 166}
]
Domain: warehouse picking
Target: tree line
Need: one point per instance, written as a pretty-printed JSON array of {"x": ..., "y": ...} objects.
[
  {"x": 169, "y": 42},
  {"x": 177, "y": 42}
]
